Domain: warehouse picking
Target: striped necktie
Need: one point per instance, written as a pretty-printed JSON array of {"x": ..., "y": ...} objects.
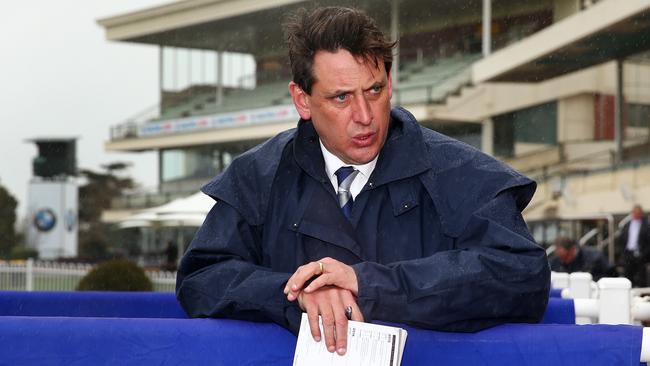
[{"x": 345, "y": 175}]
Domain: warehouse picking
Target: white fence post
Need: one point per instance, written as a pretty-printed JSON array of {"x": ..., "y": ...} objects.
[
  {"x": 614, "y": 301},
  {"x": 580, "y": 287},
  {"x": 559, "y": 280},
  {"x": 29, "y": 275}
]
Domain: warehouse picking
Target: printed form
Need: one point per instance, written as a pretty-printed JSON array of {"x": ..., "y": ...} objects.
[{"x": 368, "y": 345}]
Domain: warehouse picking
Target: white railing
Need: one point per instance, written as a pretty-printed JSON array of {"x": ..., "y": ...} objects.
[
  {"x": 608, "y": 301},
  {"x": 30, "y": 275}
]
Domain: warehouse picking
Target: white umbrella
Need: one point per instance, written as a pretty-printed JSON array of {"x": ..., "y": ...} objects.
[{"x": 182, "y": 212}]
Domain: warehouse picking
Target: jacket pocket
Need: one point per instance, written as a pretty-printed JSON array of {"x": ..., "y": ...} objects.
[
  {"x": 329, "y": 234},
  {"x": 403, "y": 195}
]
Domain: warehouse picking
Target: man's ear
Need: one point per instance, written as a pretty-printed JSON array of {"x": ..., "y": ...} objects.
[{"x": 299, "y": 98}]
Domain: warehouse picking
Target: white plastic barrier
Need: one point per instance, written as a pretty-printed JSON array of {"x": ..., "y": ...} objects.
[
  {"x": 614, "y": 305},
  {"x": 559, "y": 280},
  {"x": 645, "y": 345},
  {"x": 580, "y": 285},
  {"x": 614, "y": 301}
]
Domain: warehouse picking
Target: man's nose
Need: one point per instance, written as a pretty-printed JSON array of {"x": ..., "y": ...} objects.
[{"x": 361, "y": 112}]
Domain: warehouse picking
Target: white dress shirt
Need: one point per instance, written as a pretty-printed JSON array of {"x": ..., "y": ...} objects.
[
  {"x": 633, "y": 236},
  {"x": 333, "y": 163}
]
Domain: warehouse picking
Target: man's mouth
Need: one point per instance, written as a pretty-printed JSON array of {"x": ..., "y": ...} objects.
[{"x": 364, "y": 140}]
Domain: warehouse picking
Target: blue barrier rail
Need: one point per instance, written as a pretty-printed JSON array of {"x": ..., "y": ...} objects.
[{"x": 97, "y": 328}]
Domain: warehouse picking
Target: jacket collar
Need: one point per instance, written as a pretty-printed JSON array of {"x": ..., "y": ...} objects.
[
  {"x": 403, "y": 155},
  {"x": 307, "y": 151}
]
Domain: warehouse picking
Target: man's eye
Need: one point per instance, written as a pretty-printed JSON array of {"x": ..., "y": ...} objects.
[
  {"x": 376, "y": 89},
  {"x": 341, "y": 97}
]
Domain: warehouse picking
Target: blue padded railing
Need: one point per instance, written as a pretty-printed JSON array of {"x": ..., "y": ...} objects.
[
  {"x": 90, "y": 304},
  {"x": 127, "y": 328},
  {"x": 118, "y": 341},
  {"x": 154, "y": 305}
]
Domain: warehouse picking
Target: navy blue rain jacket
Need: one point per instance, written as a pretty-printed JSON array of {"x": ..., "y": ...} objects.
[{"x": 436, "y": 236}]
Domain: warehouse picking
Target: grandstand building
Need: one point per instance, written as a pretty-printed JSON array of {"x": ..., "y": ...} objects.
[{"x": 559, "y": 89}]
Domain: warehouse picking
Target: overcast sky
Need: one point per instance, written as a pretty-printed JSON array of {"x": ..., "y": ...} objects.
[{"x": 60, "y": 77}]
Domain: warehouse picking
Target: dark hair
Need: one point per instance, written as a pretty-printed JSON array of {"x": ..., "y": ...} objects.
[
  {"x": 565, "y": 242},
  {"x": 330, "y": 29}
]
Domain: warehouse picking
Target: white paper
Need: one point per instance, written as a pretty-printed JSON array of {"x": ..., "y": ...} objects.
[{"x": 368, "y": 345}]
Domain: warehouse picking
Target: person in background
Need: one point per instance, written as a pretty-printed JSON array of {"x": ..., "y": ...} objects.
[
  {"x": 634, "y": 247},
  {"x": 570, "y": 257}
]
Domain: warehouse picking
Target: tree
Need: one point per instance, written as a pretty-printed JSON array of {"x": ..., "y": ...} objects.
[
  {"x": 8, "y": 237},
  {"x": 95, "y": 196}
]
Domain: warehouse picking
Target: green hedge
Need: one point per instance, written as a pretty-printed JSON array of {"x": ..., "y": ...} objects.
[{"x": 116, "y": 275}]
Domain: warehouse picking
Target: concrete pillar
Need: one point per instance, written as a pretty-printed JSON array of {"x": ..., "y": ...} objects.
[{"x": 487, "y": 136}]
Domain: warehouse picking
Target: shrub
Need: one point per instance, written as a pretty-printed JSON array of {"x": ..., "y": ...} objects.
[
  {"x": 115, "y": 275},
  {"x": 21, "y": 252}
]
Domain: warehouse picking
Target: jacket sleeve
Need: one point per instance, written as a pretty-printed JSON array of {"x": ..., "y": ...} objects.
[
  {"x": 221, "y": 276},
  {"x": 494, "y": 274}
]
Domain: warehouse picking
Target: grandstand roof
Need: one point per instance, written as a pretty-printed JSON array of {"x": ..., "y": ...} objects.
[
  {"x": 254, "y": 26},
  {"x": 611, "y": 29},
  {"x": 182, "y": 23}
]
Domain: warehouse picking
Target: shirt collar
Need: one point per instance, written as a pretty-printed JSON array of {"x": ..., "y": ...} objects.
[{"x": 333, "y": 163}]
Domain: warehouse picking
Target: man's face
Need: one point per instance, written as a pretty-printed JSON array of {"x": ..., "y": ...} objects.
[
  {"x": 349, "y": 105},
  {"x": 637, "y": 213},
  {"x": 565, "y": 255}
]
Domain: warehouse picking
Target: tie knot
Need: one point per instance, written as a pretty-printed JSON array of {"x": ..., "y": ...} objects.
[{"x": 344, "y": 173}]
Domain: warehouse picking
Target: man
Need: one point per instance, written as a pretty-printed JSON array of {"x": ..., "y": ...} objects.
[
  {"x": 634, "y": 245},
  {"x": 388, "y": 220},
  {"x": 570, "y": 257}
]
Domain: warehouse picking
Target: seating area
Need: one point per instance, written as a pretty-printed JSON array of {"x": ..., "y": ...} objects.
[
  {"x": 90, "y": 328},
  {"x": 433, "y": 83},
  {"x": 419, "y": 83},
  {"x": 264, "y": 95}
]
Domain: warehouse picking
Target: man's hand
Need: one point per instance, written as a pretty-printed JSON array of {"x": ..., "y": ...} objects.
[
  {"x": 330, "y": 302},
  {"x": 329, "y": 272}
]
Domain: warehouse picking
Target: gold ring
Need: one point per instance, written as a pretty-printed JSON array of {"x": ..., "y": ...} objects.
[{"x": 320, "y": 267}]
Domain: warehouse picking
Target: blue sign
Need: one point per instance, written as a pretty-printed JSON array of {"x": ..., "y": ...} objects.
[{"x": 45, "y": 219}]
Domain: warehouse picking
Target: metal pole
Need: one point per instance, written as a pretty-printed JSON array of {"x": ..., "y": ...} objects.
[
  {"x": 618, "y": 112},
  {"x": 174, "y": 69},
  {"x": 161, "y": 77},
  {"x": 219, "y": 97},
  {"x": 610, "y": 238},
  {"x": 394, "y": 32},
  {"x": 487, "y": 27}
]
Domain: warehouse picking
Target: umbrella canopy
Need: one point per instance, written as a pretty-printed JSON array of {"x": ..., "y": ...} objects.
[{"x": 182, "y": 212}]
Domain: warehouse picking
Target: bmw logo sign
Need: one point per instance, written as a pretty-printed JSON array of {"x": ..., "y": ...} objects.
[{"x": 45, "y": 219}]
